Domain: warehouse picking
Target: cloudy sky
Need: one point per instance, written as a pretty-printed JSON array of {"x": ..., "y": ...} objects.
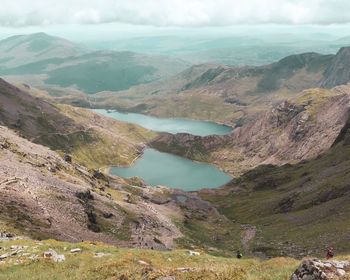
[{"x": 20, "y": 13}]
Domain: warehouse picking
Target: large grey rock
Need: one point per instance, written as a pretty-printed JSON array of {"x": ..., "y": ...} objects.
[
  {"x": 53, "y": 255},
  {"x": 320, "y": 270}
]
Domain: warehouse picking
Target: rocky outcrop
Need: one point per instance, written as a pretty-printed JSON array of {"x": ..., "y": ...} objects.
[
  {"x": 293, "y": 130},
  {"x": 275, "y": 75},
  {"x": 71, "y": 204},
  {"x": 338, "y": 72},
  {"x": 321, "y": 270}
]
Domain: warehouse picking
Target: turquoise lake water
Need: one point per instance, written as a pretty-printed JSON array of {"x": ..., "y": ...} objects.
[
  {"x": 157, "y": 168},
  {"x": 171, "y": 125}
]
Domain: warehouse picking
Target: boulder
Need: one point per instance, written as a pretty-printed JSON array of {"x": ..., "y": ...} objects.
[
  {"x": 321, "y": 270},
  {"x": 67, "y": 158},
  {"x": 53, "y": 255},
  {"x": 98, "y": 175}
]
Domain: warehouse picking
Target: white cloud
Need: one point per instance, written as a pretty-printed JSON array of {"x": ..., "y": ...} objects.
[{"x": 173, "y": 12}]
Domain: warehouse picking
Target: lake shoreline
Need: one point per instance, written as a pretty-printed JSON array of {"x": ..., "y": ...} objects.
[
  {"x": 125, "y": 111},
  {"x": 170, "y": 125},
  {"x": 181, "y": 169}
]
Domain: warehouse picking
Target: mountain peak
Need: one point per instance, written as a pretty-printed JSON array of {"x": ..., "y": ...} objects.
[{"x": 338, "y": 72}]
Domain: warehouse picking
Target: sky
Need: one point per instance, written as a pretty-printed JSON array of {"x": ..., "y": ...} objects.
[{"x": 183, "y": 13}]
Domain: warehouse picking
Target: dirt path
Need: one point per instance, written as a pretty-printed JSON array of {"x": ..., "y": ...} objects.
[{"x": 248, "y": 233}]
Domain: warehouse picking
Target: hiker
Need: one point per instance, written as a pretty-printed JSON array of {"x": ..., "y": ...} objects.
[
  {"x": 239, "y": 254},
  {"x": 330, "y": 253}
]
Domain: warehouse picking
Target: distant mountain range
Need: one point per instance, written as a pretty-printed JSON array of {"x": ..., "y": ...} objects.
[
  {"x": 229, "y": 94},
  {"x": 55, "y": 61},
  {"x": 248, "y": 48}
]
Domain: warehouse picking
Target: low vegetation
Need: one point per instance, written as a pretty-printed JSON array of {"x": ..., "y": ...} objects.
[{"x": 100, "y": 261}]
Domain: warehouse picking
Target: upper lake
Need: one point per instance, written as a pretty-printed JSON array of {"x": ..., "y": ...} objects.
[
  {"x": 171, "y": 125},
  {"x": 157, "y": 168}
]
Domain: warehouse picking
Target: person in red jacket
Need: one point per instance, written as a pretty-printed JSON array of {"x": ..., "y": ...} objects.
[{"x": 330, "y": 253}]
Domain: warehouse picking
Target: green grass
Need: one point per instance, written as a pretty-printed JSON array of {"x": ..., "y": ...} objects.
[{"x": 118, "y": 263}]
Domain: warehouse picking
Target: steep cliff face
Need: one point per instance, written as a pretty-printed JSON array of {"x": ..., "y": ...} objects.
[
  {"x": 338, "y": 71},
  {"x": 291, "y": 131}
]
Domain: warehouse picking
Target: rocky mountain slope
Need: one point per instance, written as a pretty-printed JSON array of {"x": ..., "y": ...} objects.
[
  {"x": 337, "y": 73},
  {"x": 44, "y": 196},
  {"x": 296, "y": 209},
  {"x": 92, "y": 139},
  {"x": 294, "y": 130}
]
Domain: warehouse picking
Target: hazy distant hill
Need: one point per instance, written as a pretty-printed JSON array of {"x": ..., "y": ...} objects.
[
  {"x": 62, "y": 63},
  {"x": 234, "y": 50},
  {"x": 24, "y": 49}
]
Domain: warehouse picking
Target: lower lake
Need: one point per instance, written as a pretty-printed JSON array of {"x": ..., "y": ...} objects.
[{"x": 157, "y": 168}]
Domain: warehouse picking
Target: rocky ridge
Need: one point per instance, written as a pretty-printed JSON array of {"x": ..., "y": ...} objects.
[
  {"x": 293, "y": 130},
  {"x": 321, "y": 270}
]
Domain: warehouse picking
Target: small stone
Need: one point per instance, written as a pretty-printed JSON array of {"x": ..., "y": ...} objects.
[
  {"x": 341, "y": 272},
  {"x": 67, "y": 158},
  {"x": 328, "y": 265},
  {"x": 58, "y": 258},
  {"x": 49, "y": 254},
  {"x": 52, "y": 169},
  {"x": 75, "y": 250},
  {"x": 142, "y": 262},
  {"x": 33, "y": 257},
  {"x": 184, "y": 269},
  {"x": 4, "y": 256},
  {"x": 100, "y": 255}
]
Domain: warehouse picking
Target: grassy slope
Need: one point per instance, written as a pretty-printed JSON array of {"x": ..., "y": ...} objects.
[
  {"x": 125, "y": 262},
  {"x": 297, "y": 209},
  {"x": 93, "y": 140},
  {"x": 108, "y": 142}
]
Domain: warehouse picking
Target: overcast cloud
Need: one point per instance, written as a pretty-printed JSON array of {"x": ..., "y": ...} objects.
[{"x": 173, "y": 12}]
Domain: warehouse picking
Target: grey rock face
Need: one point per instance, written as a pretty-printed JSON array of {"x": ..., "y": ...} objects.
[
  {"x": 338, "y": 72},
  {"x": 320, "y": 270}
]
